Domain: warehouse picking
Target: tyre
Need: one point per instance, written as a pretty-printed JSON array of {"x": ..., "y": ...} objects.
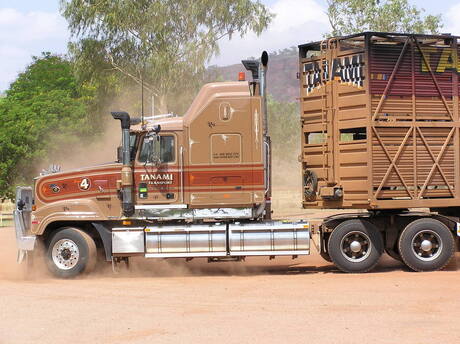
[
  {"x": 355, "y": 246},
  {"x": 393, "y": 254},
  {"x": 426, "y": 245},
  {"x": 70, "y": 252}
]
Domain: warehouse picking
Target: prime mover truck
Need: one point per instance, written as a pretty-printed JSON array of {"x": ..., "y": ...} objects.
[{"x": 379, "y": 121}]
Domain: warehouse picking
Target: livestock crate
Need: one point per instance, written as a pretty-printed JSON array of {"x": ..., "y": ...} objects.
[{"x": 380, "y": 121}]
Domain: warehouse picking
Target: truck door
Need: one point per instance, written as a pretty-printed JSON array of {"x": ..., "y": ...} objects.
[{"x": 158, "y": 182}]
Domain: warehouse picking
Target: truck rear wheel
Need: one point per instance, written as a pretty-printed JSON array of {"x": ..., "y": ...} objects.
[
  {"x": 426, "y": 245},
  {"x": 355, "y": 246},
  {"x": 70, "y": 252}
]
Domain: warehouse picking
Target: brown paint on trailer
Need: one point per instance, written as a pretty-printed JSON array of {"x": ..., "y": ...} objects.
[{"x": 380, "y": 120}]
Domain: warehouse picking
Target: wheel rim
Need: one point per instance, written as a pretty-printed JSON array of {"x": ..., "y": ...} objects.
[
  {"x": 426, "y": 245},
  {"x": 355, "y": 246},
  {"x": 65, "y": 254}
]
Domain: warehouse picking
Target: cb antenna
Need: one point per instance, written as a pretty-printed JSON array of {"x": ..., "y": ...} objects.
[{"x": 142, "y": 94}]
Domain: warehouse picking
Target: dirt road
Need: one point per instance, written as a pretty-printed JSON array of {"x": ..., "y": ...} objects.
[{"x": 260, "y": 301}]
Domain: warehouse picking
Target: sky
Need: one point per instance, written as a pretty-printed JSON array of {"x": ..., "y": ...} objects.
[{"x": 29, "y": 27}]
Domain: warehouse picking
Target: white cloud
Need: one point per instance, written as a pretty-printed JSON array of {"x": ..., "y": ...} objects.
[
  {"x": 452, "y": 24},
  {"x": 296, "y": 22},
  {"x": 25, "y": 34}
]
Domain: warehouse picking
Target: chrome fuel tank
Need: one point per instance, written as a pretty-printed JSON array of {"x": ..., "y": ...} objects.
[
  {"x": 186, "y": 241},
  {"x": 269, "y": 238}
]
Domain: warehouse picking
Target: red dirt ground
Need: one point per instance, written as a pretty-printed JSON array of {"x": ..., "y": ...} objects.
[{"x": 260, "y": 301}]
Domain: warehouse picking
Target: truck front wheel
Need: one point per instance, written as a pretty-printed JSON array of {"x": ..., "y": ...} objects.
[
  {"x": 70, "y": 252},
  {"x": 426, "y": 245},
  {"x": 355, "y": 246}
]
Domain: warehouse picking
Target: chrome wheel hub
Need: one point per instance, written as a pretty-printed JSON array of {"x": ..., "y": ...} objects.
[
  {"x": 65, "y": 254},
  {"x": 426, "y": 245},
  {"x": 356, "y": 246}
]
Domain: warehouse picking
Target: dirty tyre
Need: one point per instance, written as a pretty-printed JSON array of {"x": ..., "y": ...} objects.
[
  {"x": 355, "y": 246},
  {"x": 426, "y": 245},
  {"x": 70, "y": 252}
]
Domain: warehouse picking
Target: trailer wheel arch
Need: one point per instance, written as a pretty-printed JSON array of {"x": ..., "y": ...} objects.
[{"x": 402, "y": 220}]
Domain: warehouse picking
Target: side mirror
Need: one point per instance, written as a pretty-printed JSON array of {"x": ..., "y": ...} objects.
[
  {"x": 154, "y": 154},
  {"x": 119, "y": 154}
]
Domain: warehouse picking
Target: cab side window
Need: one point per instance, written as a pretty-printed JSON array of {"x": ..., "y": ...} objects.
[{"x": 167, "y": 149}]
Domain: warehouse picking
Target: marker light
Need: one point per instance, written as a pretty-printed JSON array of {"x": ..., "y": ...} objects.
[{"x": 241, "y": 76}]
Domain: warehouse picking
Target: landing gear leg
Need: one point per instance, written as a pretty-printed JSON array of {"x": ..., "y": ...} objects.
[{"x": 116, "y": 261}]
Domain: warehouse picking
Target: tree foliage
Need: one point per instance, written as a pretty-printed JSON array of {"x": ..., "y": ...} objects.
[
  {"x": 164, "y": 43},
  {"x": 44, "y": 109},
  {"x": 352, "y": 16}
]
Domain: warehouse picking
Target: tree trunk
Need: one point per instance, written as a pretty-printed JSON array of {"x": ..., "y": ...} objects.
[{"x": 162, "y": 104}]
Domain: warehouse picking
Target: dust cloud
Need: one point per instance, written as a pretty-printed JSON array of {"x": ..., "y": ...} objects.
[
  {"x": 286, "y": 187},
  {"x": 79, "y": 153},
  {"x": 156, "y": 268},
  {"x": 10, "y": 269},
  {"x": 102, "y": 150}
]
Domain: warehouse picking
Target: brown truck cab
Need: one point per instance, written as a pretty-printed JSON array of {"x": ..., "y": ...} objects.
[{"x": 191, "y": 186}]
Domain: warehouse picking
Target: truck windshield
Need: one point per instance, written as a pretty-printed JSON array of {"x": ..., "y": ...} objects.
[{"x": 167, "y": 149}]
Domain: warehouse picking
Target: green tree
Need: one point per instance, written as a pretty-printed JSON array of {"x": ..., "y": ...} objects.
[
  {"x": 164, "y": 43},
  {"x": 44, "y": 111},
  {"x": 351, "y": 16}
]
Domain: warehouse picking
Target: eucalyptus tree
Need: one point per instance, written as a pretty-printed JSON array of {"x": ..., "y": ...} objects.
[
  {"x": 352, "y": 16},
  {"x": 163, "y": 44}
]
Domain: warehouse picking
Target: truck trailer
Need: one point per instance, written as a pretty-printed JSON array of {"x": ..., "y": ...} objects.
[{"x": 379, "y": 121}]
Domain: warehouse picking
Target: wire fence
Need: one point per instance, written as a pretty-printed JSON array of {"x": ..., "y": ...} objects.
[{"x": 6, "y": 214}]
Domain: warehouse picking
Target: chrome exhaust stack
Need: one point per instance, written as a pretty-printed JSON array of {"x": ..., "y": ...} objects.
[{"x": 263, "y": 68}]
